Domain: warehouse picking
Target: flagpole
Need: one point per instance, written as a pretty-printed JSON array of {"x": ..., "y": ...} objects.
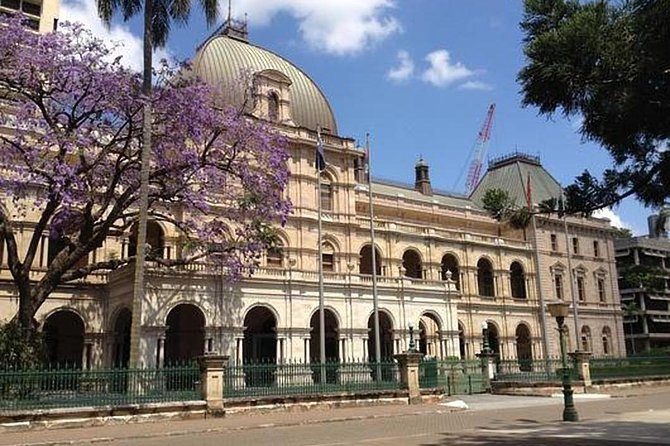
[
  {"x": 375, "y": 301},
  {"x": 570, "y": 278},
  {"x": 322, "y": 315}
]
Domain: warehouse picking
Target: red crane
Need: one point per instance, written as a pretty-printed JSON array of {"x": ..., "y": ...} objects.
[{"x": 479, "y": 151}]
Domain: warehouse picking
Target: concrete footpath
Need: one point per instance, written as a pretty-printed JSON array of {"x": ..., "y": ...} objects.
[{"x": 501, "y": 414}]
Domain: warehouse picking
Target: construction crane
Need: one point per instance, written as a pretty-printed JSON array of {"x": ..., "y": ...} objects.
[{"x": 479, "y": 151}]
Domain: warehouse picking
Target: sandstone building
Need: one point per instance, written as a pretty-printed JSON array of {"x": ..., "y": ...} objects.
[{"x": 444, "y": 266}]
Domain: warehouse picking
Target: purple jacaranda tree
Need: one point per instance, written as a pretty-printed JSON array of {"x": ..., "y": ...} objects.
[{"x": 70, "y": 162}]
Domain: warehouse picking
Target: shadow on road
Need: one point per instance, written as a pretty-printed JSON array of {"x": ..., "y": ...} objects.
[{"x": 592, "y": 433}]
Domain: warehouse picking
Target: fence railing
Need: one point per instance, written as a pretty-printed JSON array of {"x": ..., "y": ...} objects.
[
  {"x": 532, "y": 370},
  {"x": 454, "y": 377},
  {"x": 65, "y": 387},
  {"x": 633, "y": 367},
  {"x": 298, "y": 378}
]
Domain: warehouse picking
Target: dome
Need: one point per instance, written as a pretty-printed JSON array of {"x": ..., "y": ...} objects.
[{"x": 223, "y": 60}]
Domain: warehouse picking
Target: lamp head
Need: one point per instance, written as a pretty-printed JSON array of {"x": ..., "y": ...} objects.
[{"x": 559, "y": 309}]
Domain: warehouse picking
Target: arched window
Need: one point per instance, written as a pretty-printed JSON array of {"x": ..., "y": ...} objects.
[
  {"x": 64, "y": 232},
  {"x": 606, "y": 338},
  {"x": 524, "y": 350},
  {"x": 411, "y": 261},
  {"x": 485, "y": 278},
  {"x": 461, "y": 339},
  {"x": 155, "y": 239},
  {"x": 517, "y": 280},
  {"x": 328, "y": 257},
  {"x": 450, "y": 263},
  {"x": 326, "y": 193},
  {"x": 586, "y": 339},
  {"x": 366, "y": 260},
  {"x": 275, "y": 256},
  {"x": 273, "y": 107}
]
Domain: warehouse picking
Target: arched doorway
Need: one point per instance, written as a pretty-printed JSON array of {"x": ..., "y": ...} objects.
[
  {"x": 332, "y": 345},
  {"x": 64, "y": 339},
  {"x": 332, "y": 337},
  {"x": 586, "y": 339},
  {"x": 524, "y": 351},
  {"x": 485, "y": 285},
  {"x": 430, "y": 343},
  {"x": 411, "y": 261},
  {"x": 155, "y": 239},
  {"x": 121, "y": 348},
  {"x": 461, "y": 339},
  {"x": 385, "y": 344},
  {"x": 450, "y": 263},
  {"x": 260, "y": 347},
  {"x": 185, "y": 334},
  {"x": 493, "y": 338},
  {"x": 366, "y": 260},
  {"x": 517, "y": 280}
]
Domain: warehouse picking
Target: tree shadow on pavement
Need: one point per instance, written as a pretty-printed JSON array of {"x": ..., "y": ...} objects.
[{"x": 590, "y": 433}]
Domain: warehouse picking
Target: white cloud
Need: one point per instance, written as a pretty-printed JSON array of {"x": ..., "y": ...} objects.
[
  {"x": 442, "y": 72},
  {"x": 85, "y": 12},
  {"x": 614, "y": 218},
  {"x": 335, "y": 26},
  {"x": 405, "y": 68},
  {"x": 475, "y": 85}
]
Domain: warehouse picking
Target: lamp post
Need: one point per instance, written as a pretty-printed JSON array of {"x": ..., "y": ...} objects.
[
  {"x": 560, "y": 311},
  {"x": 412, "y": 344},
  {"x": 486, "y": 348}
]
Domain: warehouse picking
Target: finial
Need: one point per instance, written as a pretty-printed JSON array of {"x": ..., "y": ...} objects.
[{"x": 230, "y": 10}]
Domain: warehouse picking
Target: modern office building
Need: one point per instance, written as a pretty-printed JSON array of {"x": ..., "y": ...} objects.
[
  {"x": 647, "y": 304},
  {"x": 41, "y": 15}
]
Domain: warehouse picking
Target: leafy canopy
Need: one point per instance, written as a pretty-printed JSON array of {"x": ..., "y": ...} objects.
[
  {"x": 501, "y": 207},
  {"x": 70, "y": 162},
  {"x": 609, "y": 63}
]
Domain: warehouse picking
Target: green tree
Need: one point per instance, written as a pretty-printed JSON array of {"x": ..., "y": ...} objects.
[
  {"x": 629, "y": 310},
  {"x": 501, "y": 207},
  {"x": 609, "y": 63},
  {"x": 623, "y": 233},
  {"x": 158, "y": 17}
]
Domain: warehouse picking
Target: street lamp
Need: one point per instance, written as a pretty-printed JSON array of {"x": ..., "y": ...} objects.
[
  {"x": 412, "y": 344},
  {"x": 486, "y": 348},
  {"x": 560, "y": 310}
]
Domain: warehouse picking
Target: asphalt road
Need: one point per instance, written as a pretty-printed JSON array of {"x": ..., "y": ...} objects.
[{"x": 491, "y": 420}]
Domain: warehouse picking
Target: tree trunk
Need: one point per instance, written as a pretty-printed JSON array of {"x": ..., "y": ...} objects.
[{"x": 143, "y": 203}]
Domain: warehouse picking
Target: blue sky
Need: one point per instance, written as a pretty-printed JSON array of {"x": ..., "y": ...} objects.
[{"x": 418, "y": 75}]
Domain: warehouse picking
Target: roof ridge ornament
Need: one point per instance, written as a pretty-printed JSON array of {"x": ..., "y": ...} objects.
[{"x": 233, "y": 28}]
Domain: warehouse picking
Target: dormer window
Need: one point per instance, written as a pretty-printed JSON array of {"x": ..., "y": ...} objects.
[{"x": 272, "y": 96}]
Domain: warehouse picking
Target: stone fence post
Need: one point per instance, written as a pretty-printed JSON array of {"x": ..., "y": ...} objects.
[
  {"x": 212, "y": 378},
  {"x": 408, "y": 364},
  {"x": 581, "y": 361}
]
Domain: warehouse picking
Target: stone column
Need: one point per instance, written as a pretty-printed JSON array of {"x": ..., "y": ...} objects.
[
  {"x": 212, "y": 377},
  {"x": 408, "y": 363},
  {"x": 487, "y": 356},
  {"x": 581, "y": 361}
]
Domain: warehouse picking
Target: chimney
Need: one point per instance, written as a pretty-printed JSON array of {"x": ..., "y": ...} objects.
[
  {"x": 422, "y": 180},
  {"x": 652, "y": 223}
]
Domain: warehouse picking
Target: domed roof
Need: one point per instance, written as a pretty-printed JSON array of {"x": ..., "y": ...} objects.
[{"x": 223, "y": 60}]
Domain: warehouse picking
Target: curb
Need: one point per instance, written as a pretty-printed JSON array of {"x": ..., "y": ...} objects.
[{"x": 181, "y": 433}]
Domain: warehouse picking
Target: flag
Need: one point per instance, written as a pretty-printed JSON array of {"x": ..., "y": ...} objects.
[
  {"x": 320, "y": 155},
  {"x": 529, "y": 193},
  {"x": 366, "y": 165}
]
